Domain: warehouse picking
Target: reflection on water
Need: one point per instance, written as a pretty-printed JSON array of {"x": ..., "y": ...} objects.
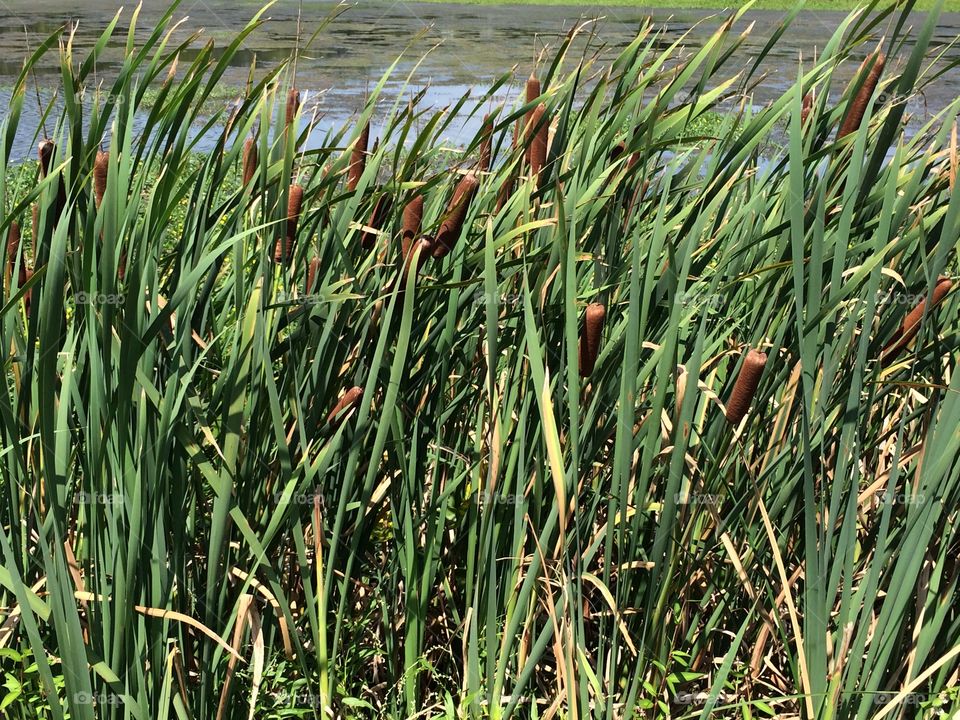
[{"x": 475, "y": 46}]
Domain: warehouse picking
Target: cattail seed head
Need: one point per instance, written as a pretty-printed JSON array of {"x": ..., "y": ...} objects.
[
  {"x": 537, "y": 136},
  {"x": 13, "y": 245},
  {"x": 358, "y": 159},
  {"x": 313, "y": 269},
  {"x": 284, "y": 251},
  {"x": 412, "y": 217},
  {"x": 911, "y": 323},
  {"x": 486, "y": 131},
  {"x": 349, "y": 400},
  {"x": 101, "y": 165},
  {"x": 746, "y": 386},
  {"x": 250, "y": 160},
  {"x": 851, "y": 122},
  {"x": 45, "y": 155},
  {"x": 533, "y": 88},
  {"x": 589, "y": 349},
  {"x": 456, "y": 214},
  {"x": 805, "y": 108},
  {"x": 377, "y": 216},
  {"x": 293, "y": 105}
]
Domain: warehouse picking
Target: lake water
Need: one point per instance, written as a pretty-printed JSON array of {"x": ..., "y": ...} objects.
[{"x": 474, "y": 45}]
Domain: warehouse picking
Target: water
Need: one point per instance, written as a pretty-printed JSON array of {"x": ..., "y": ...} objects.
[{"x": 475, "y": 45}]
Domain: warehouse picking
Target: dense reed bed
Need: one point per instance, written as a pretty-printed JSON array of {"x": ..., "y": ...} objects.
[{"x": 595, "y": 416}]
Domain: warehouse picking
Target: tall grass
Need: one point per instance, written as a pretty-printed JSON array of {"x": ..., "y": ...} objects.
[{"x": 369, "y": 480}]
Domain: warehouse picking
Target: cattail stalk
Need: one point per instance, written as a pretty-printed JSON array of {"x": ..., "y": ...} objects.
[
  {"x": 412, "y": 218},
  {"x": 456, "y": 214},
  {"x": 358, "y": 159},
  {"x": 851, "y": 122},
  {"x": 284, "y": 251},
  {"x": 746, "y": 386},
  {"x": 101, "y": 165},
  {"x": 589, "y": 349},
  {"x": 250, "y": 160}
]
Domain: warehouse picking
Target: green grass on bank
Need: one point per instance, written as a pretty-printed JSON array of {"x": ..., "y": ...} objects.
[{"x": 843, "y": 5}]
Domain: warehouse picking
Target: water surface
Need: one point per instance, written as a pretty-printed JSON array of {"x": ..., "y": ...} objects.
[{"x": 471, "y": 46}]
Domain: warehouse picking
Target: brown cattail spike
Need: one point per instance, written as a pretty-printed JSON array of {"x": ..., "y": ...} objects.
[
  {"x": 911, "y": 323},
  {"x": 858, "y": 106},
  {"x": 486, "y": 137},
  {"x": 377, "y": 217},
  {"x": 293, "y": 105},
  {"x": 101, "y": 165},
  {"x": 455, "y": 216},
  {"x": 594, "y": 317},
  {"x": 412, "y": 217},
  {"x": 805, "y": 108},
  {"x": 746, "y": 386},
  {"x": 45, "y": 155},
  {"x": 358, "y": 159},
  {"x": 284, "y": 251},
  {"x": 13, "y": 247},
  {"x": 533, "y": 88},
  {"x": 313, "y": 269},
  {"x": 250, "y": 160},
  {"x": 350, "y": 399},
  {"x": 537, "y": 134}
]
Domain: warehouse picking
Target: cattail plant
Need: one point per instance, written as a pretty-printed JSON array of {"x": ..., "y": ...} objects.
[
  {"x": 537, "y": 135},
  {"x": 589, "y": 348},
  {"x": 284, "y": 250},
  {"x": 806, "y": 107},
  {"x": 378, "y": 215},
  {"x": 101, "y": 165},
  {"x": 313, "y": 269},
  {"x": 293, "y": 106},
  {"x": 250, "y": 160},
  {"x": 349, "y": 400},
  {"x": 456, "y": 214},
  {"x": 45, "y": 151},
  {"x": 412, "y": 217},
  {"x": 533, "y": 88},
  {"x": 13, "y": 247},
  {"x": 486, "y": 137},
  {"x": 858, "y": 106},
  {"x": 911, "y": 323},
  {"x": 358, "y": 159},
  {"x": 746, "y": 386}
]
